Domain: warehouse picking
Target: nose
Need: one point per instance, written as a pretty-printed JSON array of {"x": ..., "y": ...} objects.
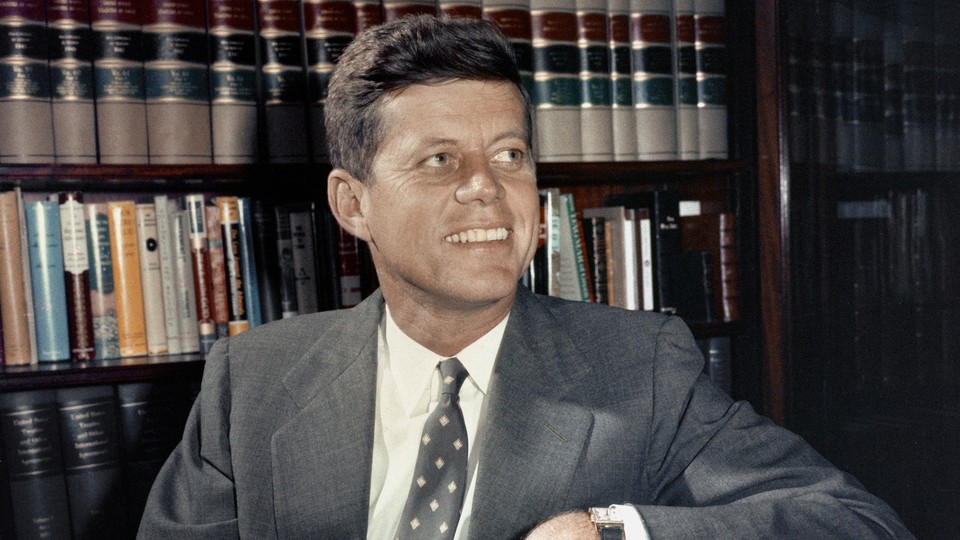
[{"x": 480, "y": 184}]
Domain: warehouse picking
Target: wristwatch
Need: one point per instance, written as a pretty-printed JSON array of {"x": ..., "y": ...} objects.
[{"x": 608, "y": 522}]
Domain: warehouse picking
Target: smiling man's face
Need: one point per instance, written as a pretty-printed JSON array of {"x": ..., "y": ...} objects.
[{"x": 451, "y": 208}]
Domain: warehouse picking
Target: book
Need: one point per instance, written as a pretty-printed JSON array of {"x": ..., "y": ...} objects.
[
  {"x": 46, "y": 276},
  {"x": 151, "y": 416},
  {"x": 168, "y": 278},
  {"x": 283, "y": 81},
  {"x": 90, "y": 435},
  {"x": 574, "y": 278},
  {"x": 15, "y": 307},
  {"x": 685, "y": 57},
  {"x": 348, "y": 255},
  {"x": 396, "y": 9},
  {"x": 119, "y": 81},
  {"x": 718, "y": 359},
  {"x": 71, "y": 81},
  {"x": 867, "y": 87},
  {"x": 177, "y": 86},
  {"x": 556, "y": 69},
  {"x": 648, "y": 291},
  {"x": 187, "y": 301},
  {"x": 711, "y": 46},
  {"x": 513, "y": 18},
  {"x": 288, "y": 277},
  {"x": 892, "y": 87},
  {"x": 594, "y": 234},
  {"x": 550, "y": 202},
  {"x": 664, "y": 207},
  {"x": 218, "y": 270},
  {"x": 614, "y": 222},
  {"x": 329, "y": 26},
  {"x": 621, "y": 81},
  {"x": 266, "y": 258},
  {"x": 232, "y": 246},
  {"x": 596, "y": 106},
  {"x": 695, "y": 288},
  {"x": 26, "y": 125},
  {"x": 233, "y": 81},
  {"x": 151, "y": 276},
  {"x": 369, "y": 13},
  {"x": 128, "y": 284},
  {"x": 194, "y": 211},
  {"x": 103, "y": 300},
  {"x": 466, "y": 9},
  {"x": 76, "y": 265},
  {"x": 716, "y": 233},
  {"x": 654, "y": 78},
  {"x": 840, "y": 47},
  {"x": 30, "y": 437},
  {"x": 306, "y": 274},
  {"x": 248, "y": 263}
]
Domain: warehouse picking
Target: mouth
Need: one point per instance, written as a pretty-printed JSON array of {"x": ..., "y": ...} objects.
[{"x": 478, "y": 235}]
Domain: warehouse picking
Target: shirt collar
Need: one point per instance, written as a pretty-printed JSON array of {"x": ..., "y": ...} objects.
[{"x": 412, "y": 365}]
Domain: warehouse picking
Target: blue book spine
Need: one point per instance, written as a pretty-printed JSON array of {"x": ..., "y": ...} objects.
[
  {"x": 46, "y": 275},
  {"x": 251, "y": 288}
]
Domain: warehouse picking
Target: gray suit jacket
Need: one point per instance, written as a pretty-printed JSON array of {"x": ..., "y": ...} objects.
[{"x": 588, "y": 406}]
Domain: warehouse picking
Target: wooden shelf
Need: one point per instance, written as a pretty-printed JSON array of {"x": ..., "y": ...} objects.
[{"x": 112, "y": 371}]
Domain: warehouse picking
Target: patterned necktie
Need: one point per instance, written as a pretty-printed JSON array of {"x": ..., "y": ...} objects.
[{"x": 440, "y": 478}]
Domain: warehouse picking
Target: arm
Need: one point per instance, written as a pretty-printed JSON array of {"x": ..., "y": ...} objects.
[
  {"x": 193, "y": 496},
  {"x": 715, "y": 468}
]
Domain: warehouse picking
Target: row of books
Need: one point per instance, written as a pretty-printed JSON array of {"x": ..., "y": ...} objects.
[
  {"x": 646, "y": 250},
  {"x": 120, "y": 277},
  {"x": 239, "y": 81},
  {"x": 79, "y": 462},
  {"x": 874, "y": 86}
]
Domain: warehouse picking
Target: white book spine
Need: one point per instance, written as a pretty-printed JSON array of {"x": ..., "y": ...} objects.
[
  {"x": 168, "y": 279},
  {"x": 654, "y": 95},
  {"x": 186, "y": 298},
  {"x": 688, "y": 133},
  {"x": 711, "y": 78},
  {"x": 556, "y": 80},
  {"x": 152, "y": 278}
]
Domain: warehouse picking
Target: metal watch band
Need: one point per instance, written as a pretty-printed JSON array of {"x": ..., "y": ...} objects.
[{"x": 611, "y": 533}]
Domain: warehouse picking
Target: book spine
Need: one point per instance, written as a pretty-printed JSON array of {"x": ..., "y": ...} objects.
[
  {"x": 574, "y": 241},
  {"x": 593, "y": 231},
  {"x": 369, "y": 13},
  {"x": 26, "y": 124},
  {"x": 892, "y": 87},
  {"x": 712, "y": 99},
  {"x": 14, "y": 308},
  {"x": 329, "y": 27},
  {"x": 397, "y": 9},
  {"x": 665, "y": 222},
  {"x": 348, "y": 254},
  {"x": 103, "y": 301},
  {"x": 596, "y": 106},
  {"x": 688, "y": 132},
  {"x": 288, "y": 279},
  {"x": 176, "y": 81},
  {"x": 125, "y": 252},
  {"x": 303, "y": 236},
  {"x": 648, "y": 289},
  {"x": 27, "y": 277},
  {"x": 218, "y": 271},
  {"x": 91, "y": 459},
  {"x": 266, "y": 258},
  {"x": 867, "y": 85},
  {"x": 283, "y": 81},
  {"x": 621, "y": 82},
  {"x": 236, "y": 284},
  {"x": 513, "y": 18},
  {"x": 248, "y": 263},
  {"x": 718, "y": 355},
  {"x": 556, "y": 68},
  {"x": 46, "y": 272},
  {"x": 841, "y": 80},
  {"x": 183, "y": 272},
  {"x": 30, "y": 435},
  {"x": 464, "y": 9},
  {"x": 119, "y": 81},
  {"x": 654, "y": 79},
  {"x": 151, "y": 275},
  {"x": 233, "y": 81},
  {"x": 76, "y": 265},
  {"x": 200, "y": 262},
  {"x": 168, "y": 279},
  {"x": 695, "y": 289},
  {"x": 71, "y": 81}
]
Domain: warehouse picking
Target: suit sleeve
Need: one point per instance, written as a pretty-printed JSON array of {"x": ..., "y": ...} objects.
[
  {"x": 193, "y": 495},
  {"x": 717, "y": 469}
]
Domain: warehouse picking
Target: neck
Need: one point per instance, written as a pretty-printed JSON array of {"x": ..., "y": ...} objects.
[{"x": 442, "y": 330}]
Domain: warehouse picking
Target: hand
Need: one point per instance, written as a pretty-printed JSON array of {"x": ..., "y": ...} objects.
[{"x": 574, "y": 525}]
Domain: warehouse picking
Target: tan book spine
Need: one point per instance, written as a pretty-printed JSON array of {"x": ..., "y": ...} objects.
[
  {"x": 128, "y": 283},
  {"x": 13, "y": 293},
  {"x": 218, "y": 271},
  {"x": 152, "y": 279},
  {"x": 230, "y": 224}
]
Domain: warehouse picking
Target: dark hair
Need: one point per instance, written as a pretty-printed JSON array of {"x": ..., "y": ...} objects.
[{"x": 412, "y": 50}]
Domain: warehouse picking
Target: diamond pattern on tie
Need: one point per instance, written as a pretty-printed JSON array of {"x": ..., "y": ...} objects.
[{"x": 434, "y": 501}]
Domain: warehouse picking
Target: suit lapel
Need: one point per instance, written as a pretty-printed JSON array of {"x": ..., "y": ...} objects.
[
  {"x": 322, "y": 455},
  {"x": 531, "y": 436}
]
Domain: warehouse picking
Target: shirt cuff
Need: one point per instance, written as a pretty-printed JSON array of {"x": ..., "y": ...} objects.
[{"x": 633, "y": 527}]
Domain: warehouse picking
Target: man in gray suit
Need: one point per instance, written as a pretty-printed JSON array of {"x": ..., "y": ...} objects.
[{"x": 313, "y": 427}]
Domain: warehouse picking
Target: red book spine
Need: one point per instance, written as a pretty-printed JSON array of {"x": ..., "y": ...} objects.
[{"x": 76, "y": 276}]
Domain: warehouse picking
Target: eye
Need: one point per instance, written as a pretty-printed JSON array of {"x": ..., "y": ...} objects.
[
  {"x": 438, "y": 160},
  {"x": 509, "y": 156}
]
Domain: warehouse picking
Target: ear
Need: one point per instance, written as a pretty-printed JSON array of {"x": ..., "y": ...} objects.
[{"x": 345, "y": 195}]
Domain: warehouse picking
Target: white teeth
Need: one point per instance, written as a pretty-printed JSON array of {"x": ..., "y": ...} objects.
[{"x": 478, "y": 235}]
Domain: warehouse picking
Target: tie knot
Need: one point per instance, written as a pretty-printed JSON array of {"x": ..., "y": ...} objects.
[{"x": 452, "y": 375}]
